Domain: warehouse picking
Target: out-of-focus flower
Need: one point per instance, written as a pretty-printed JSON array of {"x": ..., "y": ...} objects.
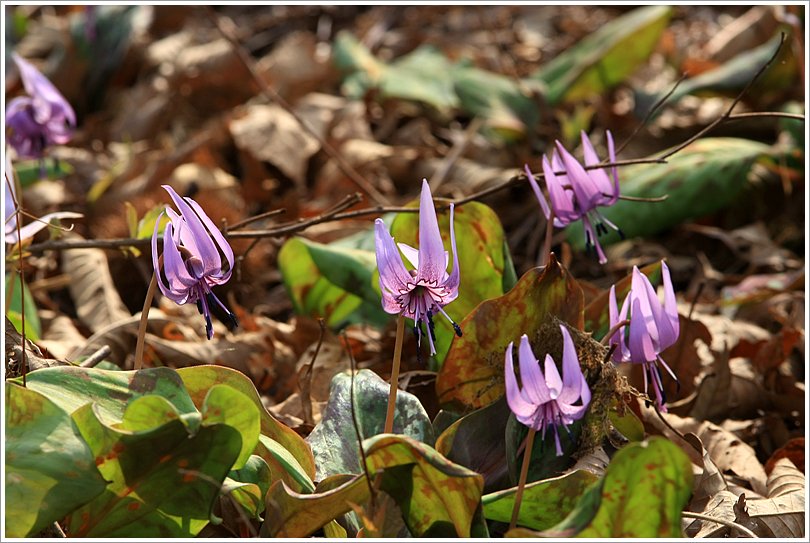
[
  {"x": 11, "y": 212},
  {"x": 577, "y": 193},
  {"x": 193, "y": 251},
  {"x": 420, "y": 293},
  {"x": 653, "y": 327},
  {"x": 546, "y": 400},
  {"x": 40, "y": 119}
]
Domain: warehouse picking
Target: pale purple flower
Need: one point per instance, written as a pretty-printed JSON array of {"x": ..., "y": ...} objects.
[
  {"x": 40, "y": 119},
  {"x": 653, "y": 327},
  {"x": 11, "y": 212},
  {"x": 546, "y": 401},
  {"x": 193, "y": 251},
  {"x": 577, "y": 193},
  {"x": 422, "y": 292}
]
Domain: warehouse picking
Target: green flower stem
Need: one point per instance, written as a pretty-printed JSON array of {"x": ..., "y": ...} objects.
[
  {"x": 392, "y": 396},
  {"x": 524, "y": 471},
  {"x": 145, "y": 317}
]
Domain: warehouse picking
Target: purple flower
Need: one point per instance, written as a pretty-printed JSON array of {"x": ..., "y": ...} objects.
[
  {"x": 11, "y": 211},
  {"x": 192, "y": 260},
  {"x": 546, "y": 400},
  {"x": 653, "y": 327},
  {"x": 43, "y": 118},
  {"x": 422, "y": 292},
  {"x": 577, "y": 193}
]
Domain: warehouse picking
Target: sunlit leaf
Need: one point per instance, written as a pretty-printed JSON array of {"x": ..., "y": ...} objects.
[
  {"x": 16, "y": 306},
  {"x": 437, "y": 497},
  {"x": 249, "y": 485},
  {"x": 49, "y": 467}
]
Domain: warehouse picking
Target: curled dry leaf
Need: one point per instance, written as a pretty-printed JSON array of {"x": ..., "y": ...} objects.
[
  {"x": 784, "y": 479},
  {"x": 709, "y": 483},
  {"x": 594, "y": 462}
]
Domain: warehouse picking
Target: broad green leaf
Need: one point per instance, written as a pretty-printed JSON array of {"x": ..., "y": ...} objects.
[
  {"x": 479, "y": 240},
  {"x": 16, "y": 306},
  {"x": 437, "y": 497},
  {"x": 284, "y": 466},
  {"x": 703, "y": 178},
  {"x": 478, "y": 441},
  {"x": 544, "y": 503},
  {"x": 641, "y": 495},
  {"x": 290, "y": 514},
  {"x": 605, "y": 58},
  {"x": 472, "y": 374},
  {"x": 226, "y": 405},
  {"x": 629, "y": 425},
  {"x": 49, "y": 467},
  {"x": 597, "y": 312},
  {"x": 71, "y": 387},
  {"x": 508, "y": 112},
  {"x": 331, "y": 283},
  {"x": 163, "y": 482},
  {"x": 198, "y": 380},
  {"x": 334, "y": 440},
  {"x": 249, "y": 485}
]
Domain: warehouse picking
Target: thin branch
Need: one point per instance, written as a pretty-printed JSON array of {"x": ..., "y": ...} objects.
[
  {"x": 93, "y": 360},
  {"x": 244, "y": 57},
  {"x": 646, "y": 118},
  {"x": 727, "y": 114},
  {"x": 724, "y": 522},
  {"x": 260, "y": 216},
  {"x": 755, "y": 114}
]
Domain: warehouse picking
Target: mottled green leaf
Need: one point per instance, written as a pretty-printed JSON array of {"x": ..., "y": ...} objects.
[
  {"x": 641, "y": 495},
  {"x": 49, "y": 467},
  {"x": 479, "y": 240},
  {"x": 701, "y": 179},
  {"x": 544, "y": 503},
  {"x": 332, "y": 283},
  {"x": 249, "y": 485},
  {"x": 605, "y": 58},
  {"x": 163, "y": 481},
  {"x": 226, "y": 405},
  {"x": 629, "y": 425},
  {"x": 71, "y": 387},
  {"x": 16, "y": 306},
  {"x": 290, "y": 514},
  {"x": 334, "y": 440},
  {"x": 198, "y": 380},
  {"x": 284, "y": 466},
  {"x": 472, "y": 374},
  {"x": 437, "y": 497}
]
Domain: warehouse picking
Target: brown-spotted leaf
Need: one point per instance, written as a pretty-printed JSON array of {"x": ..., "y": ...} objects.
[
  {"x": 437, "y": 497},
  {"x": 472, "y": 374}
]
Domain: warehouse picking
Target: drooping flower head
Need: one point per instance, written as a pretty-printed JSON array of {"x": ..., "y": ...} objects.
[
  {"x": 193, "y": 251},
  {"x": 422, "y": 292},
  {"x": 11, "y": 211},
  {"x": 653, "y": 327},
  {"x": 40, "y": 119},
  {"x": 546, "y": 401},
  {"x": 577, "y": 193}
]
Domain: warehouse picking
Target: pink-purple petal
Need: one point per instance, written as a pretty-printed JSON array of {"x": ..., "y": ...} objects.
[{"x": 431, "y": 248}]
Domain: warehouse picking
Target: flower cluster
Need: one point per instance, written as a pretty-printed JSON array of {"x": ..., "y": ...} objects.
[
  {"x": 422, "y": 292},
  {"x": 40, "y": 119},
  {"x": 577, "y": 193},
  {"x": 193, "y": 250},
  {"x": 653, "y": 327},
  {"x": 546, "y": 400}
]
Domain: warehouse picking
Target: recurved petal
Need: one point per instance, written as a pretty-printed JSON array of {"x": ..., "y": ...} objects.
[
  {"x": 587, "y": 193},
  {"x": 669, "y": 327},
  {"x": 46, "y": 97},
  {"x": 393, "y": 274},
  {"x": 571, "y": 370},
  {"x": 553, "y": 381},
  {"x": 177, "y": 275},
  {"x": 206, "y": 250},
  {"x": 537, "y": 191},
  {"x": 599, "y": 176},
  {"x": 561, "y": 200},
  {"x": 519, "y": 406},
  {"x": 534, "y": 383},
  {"x": 431, "y": 249},
  {"x": 641, "y": 344},
  {"x": 220, "y": 240},
  {"x": 451, "y": 282}
]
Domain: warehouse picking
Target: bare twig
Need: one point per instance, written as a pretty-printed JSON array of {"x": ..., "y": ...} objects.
[
  {"x": 305, "y": 375},
  {"x": 724, "y": 522},
  {"x": 93, "y": 360},
  {"x": 727, "y": 114},
  {"x": 260, "y": 216},
  {"x": 244, "y": 57}
]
